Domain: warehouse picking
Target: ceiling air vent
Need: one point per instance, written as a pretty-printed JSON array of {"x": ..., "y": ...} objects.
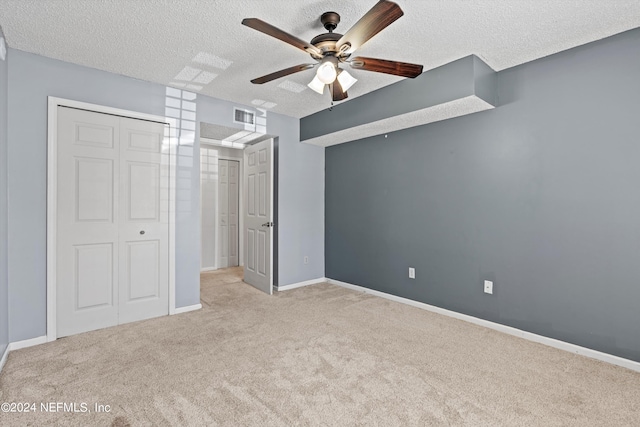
[{"x": 246, "y": 117}]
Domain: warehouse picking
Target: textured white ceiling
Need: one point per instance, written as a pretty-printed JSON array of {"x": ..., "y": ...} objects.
[{"x": 165, "y": 40}]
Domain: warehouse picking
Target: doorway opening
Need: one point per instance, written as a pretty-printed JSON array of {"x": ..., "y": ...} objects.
[
  {"x": 237, "y": 209},
  {"x": 221, "y": 204}
]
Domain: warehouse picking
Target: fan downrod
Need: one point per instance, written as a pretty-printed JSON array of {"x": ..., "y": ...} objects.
[{"x": 330, "y": 20}]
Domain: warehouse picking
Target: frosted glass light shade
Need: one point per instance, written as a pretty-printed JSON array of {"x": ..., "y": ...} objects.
[
  {"x": 316, "y": 85},
  {"x": 327, "y": 72},
  {"x": 346, "y": 80}
]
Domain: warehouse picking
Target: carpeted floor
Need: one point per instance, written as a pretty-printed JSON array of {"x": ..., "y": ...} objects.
[{"x": 319, "y": 355}]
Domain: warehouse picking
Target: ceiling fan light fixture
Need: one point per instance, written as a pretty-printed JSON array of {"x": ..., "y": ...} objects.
[
  {"x": 316, "y": 85},
  {"x": 331, "y": 49},
  {"x": 327, "y": 71},
  {"x": 346, "y": 80}
]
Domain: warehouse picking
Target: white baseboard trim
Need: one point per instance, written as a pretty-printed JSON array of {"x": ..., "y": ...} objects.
[
  {"x": 4, "y": 357},
  {"x": 551, "y": 342},
  {"x": 27, "y": 343},
  {"x": 21, "y": 344},
  {"x": 186, "y": 309},
  {"x": 202, "y": 270},
  {"x": 300, "y": 284}
]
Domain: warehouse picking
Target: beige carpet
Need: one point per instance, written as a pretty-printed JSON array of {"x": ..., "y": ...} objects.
[{"x": 319, "y": 355}]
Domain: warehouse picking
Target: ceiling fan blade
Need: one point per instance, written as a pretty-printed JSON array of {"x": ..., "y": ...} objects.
[
  {"x": 282, "y": 73},
  {"x": 272, "y": 31},
  {"x": 337, "y": 94},
  {"x": 403, "y": 69},
  {"x": 375, "y": 20}
]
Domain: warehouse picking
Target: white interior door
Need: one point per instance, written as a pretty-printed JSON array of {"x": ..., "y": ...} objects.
[
  {"x": 144, "y": 231},
  {"x": 112, "y": 221},
  {"x": 258, "y": 215}
]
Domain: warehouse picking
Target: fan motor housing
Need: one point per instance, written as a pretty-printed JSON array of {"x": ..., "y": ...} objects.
[{"x": 326, "y": 42}]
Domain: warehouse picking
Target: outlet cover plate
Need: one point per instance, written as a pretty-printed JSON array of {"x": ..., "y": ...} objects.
[
  {"x": 488, "y": 287},
  {"x": 412, "y": 273}
]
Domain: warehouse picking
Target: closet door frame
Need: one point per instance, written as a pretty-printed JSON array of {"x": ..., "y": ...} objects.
[{"x": 52, "y": 196}]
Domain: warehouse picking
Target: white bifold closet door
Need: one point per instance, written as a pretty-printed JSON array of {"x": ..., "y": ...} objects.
[
  {"x": 112, "y": 221},
  {"x": 228, "y": 200}
]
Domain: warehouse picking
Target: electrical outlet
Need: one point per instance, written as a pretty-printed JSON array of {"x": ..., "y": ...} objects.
[
  {"x": 412, "y": 273},
  {"x": 306, "y": 259},
  {"x": 488, "y": 287}
]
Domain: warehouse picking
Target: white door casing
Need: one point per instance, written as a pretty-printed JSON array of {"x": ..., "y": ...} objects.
[
  {"x": 110, "y": 241},
  {"x": 258, "y": 215}
]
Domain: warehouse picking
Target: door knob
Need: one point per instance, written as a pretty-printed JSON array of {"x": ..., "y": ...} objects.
[
  {"x": 141, "y": 231},
  {"x": 267, "y": 224}
]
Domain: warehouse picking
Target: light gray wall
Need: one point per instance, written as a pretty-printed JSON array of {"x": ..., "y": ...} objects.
[
  {"x": 4, "y": 287},
  {"x": 32, "y": 78},
  {"x": 540, "y": 195},
  {"x": 300, "y": 222}
]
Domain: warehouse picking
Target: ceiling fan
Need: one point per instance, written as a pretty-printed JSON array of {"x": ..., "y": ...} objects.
[{"x": 331, "y": 49}]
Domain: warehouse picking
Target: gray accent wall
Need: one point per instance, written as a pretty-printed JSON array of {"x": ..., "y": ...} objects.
[
  {"x": 540, "y": 195},
  {"x": 4, "y": 283},
  {"x": 33, "y": 78}
]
